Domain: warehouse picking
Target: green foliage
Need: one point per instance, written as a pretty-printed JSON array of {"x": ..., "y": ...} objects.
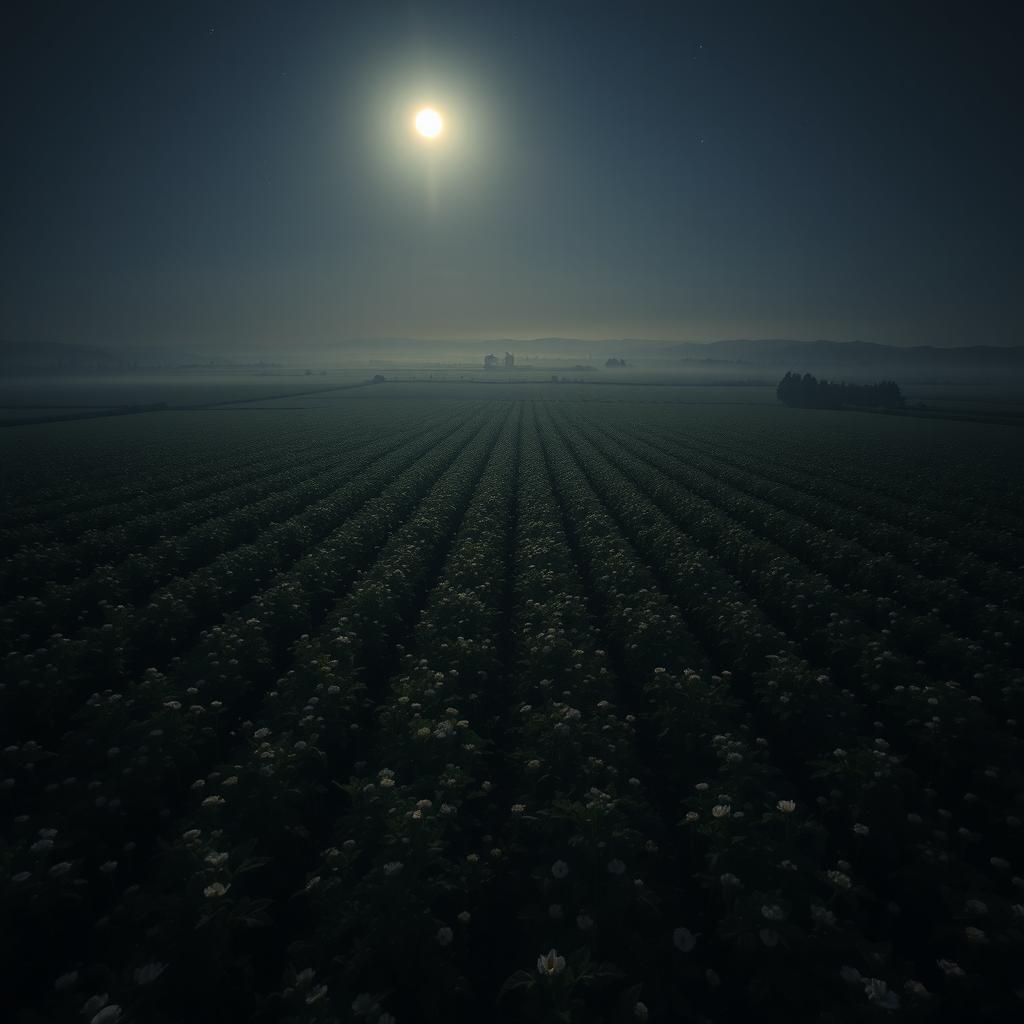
[{"x": 520, "y": 710}]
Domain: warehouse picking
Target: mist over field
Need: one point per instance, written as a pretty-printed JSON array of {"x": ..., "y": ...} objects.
[{"x": 511, "y": 512}]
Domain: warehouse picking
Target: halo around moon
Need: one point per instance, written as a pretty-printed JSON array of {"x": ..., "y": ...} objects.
[{"x": 429, "y": 123}]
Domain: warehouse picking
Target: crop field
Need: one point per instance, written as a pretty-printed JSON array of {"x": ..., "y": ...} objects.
[{"x": 448, "y": 703}]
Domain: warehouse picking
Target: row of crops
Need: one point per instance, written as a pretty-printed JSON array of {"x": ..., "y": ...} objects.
[{"x": 512, "y": 709}]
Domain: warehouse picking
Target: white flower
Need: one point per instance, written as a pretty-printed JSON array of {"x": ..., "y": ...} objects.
[
  {"x": 518, "y": 808},
  {"x": 393, "y": 867},
  {"x": 66, "y": 981},
  {"x": 94, "y": 1004},
  {"x": 839, "y": 879},
  {"x": 849, "y": 974},
  {"x": 616, "y": 867},
  {"x": 445, "y": 936},
  {"x": 216, "y": 890},
  {"x": 684, "y": 940},
  {"x": 861, "y": 830},
  {"x": 148, "y": 973},
  {"x": 640, "y": 1011},
  {"x": 584, "y": 922},
  {"x": 822, "y": 916},
  {"x": 721, "y": 810},
  {"x": 549, "y": 964},
  {"x": 786, "y": 806},
  {"x": 317, "y": 993},
  {"x": 951, "y": 968},
  {"x": 216, "y": 859},
  {"x": 975, "y": 935},
  {"x": 214, "y": 801},
  {"x": 772, "y": 912},
  {"x": 108, "y": 1015},
  {"x": 877, "y": 992},
  {"x": 108, "y": 867},
  {"x": 465, "y": 917},
  {"x": 560, "y": 869}
]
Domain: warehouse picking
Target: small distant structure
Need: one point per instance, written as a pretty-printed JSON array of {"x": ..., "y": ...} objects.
[
  {"x": 510, "y": 360},
  {"x": 615, "y": 364},
  {"x": 490, "y": 362}
]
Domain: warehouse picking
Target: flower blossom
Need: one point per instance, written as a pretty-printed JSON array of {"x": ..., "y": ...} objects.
[{"x": 549, "y": 964}]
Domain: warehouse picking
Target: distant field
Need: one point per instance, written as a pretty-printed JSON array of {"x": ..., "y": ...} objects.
[
  {"x": 501, "y": 390},
  {"x": 401, "y": 685},
  {"x": 42, "y": 396}
]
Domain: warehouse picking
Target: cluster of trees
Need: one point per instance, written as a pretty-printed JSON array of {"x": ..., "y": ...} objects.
[
  {"x": 807, "y": 392},
  {"x": 614, "y": 363}
]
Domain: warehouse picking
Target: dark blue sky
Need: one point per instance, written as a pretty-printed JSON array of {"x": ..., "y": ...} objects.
[{"x": 244, "y": 174}]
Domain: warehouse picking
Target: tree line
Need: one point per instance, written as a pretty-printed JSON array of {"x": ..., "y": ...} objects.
[{"x": 807, "y": 392}]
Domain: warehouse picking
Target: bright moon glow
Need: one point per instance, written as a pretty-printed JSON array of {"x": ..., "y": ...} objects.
[{"x": 429, "y": 123}]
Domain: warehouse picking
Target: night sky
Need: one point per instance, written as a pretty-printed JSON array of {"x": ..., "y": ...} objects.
[{"x": 240, "y": 175}]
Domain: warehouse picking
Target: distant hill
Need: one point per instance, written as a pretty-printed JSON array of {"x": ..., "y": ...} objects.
[
  {"x": 764, "y": 358},
  {"x": 854, "y": 360},
  {"x": 54, "y": 355},
  {"x": 30, "y": 357},
  {"x": 855, "y": 353},
  {"x": 867, "y": 361}
]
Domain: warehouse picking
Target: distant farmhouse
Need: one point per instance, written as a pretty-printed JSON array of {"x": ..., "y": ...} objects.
[
  {"x": 490, "y": 362},
  {"x": 510, "y": 360}
]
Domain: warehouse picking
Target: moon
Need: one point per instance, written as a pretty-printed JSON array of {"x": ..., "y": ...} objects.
[{"x": 429, "y": 123}]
